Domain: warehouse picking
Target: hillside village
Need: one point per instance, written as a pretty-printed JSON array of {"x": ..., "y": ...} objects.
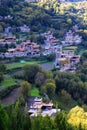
[
  {"x": 64, "y": 60},
  {"x": 43, "y": 64}
]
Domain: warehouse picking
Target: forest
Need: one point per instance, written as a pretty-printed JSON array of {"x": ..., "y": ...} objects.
[
  {"x": 14, "y": 118},
  {"x": 35, "y": 15}
]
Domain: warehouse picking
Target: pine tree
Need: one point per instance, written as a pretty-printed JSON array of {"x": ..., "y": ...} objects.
[
  {"x": 17, "y": 117},
  {"x": 4, "y": 119},
  {"x": 26, "y": 121}
]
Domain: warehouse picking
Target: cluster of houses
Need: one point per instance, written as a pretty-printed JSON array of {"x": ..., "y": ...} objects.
[
  {"x": 66, "y": 61},
  {"x": 25, "y": 49},
  {"x": 37, "y": 107},
  {"x": 9, "y": 40},
  {"x": 24, "y": 28},
  {"x": 8, "y": 17},
  {"x": 22, "y": 50},
  {"x": 72, "y": 38},
  {"x": 51, "y": 43}
]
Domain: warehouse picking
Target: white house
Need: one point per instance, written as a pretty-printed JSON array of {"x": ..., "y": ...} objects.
[{"x": 24, "y": 28}]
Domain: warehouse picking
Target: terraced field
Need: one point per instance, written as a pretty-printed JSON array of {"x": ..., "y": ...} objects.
[
  {"x": 7, "y": 82},
  {"x": 17, "y": 65}
]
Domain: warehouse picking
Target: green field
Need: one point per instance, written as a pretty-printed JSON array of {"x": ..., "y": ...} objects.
[
  {"x": 7, "y": 82},
  {"x": 17, "y": 65},
  {"x": 35, "y": 92}
]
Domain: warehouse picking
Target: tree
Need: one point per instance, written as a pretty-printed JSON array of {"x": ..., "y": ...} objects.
[
  {"x": 64, "y": 62},
  {"x": 77, "y": 117},
  {"x": 16, "y": 117},
  {"x": 40, "y": 39},
  {"x": 36, "y": 123},
  {"x": 61, "y": 122},
  {"x": 84, "y": 57},
  {"x": 69, "y": 21},
  {"x": 26, "y": 87},
  {"x": 4, "y": 119},
  {"x": 33, "y": 37},
  {"x": 48, "y": 88},
  {"x": 84, "y": 106},
  {"x": 50, "y": 81},
  {"x": 48, "y": 123},
  {"x": 1, "y": 76},
  {"x": 2, "y": 68},
  {"x": 39, "y": 79},
  {"x": 66, "y": 97},
  {"x": 50, "y": 57},
  {"x": 1, "y": 28},
  {"x": 30, "y": 72},
  {"x": 27, "y": 121},
  {"x": 48, "y": 74}
]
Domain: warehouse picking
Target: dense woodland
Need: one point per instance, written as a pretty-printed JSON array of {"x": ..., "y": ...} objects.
[
  {"x": 35, "y": 15},
  {"x": 13, "y": 118}
]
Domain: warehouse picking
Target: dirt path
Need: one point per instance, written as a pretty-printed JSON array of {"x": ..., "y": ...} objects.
[{"x": 12, "y": 97}]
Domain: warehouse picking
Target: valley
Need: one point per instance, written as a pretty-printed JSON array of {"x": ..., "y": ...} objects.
[{"x": 43, "y": 64}]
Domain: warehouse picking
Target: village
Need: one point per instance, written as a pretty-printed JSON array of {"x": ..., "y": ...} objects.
[
  {"x": 65, "y": 60},
  {"x": 43, "y": 64}
]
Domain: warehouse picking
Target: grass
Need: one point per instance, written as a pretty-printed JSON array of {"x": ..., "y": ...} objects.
[
  {"x": 7, "y": 82},
  {"x": 35, "y": 92},
  {"x": 17, "y": 65}
]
